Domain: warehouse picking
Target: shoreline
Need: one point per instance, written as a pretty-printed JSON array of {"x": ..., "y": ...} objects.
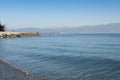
[
  {"x": 7, "y": 72},
  {"x": 17, "y": 34}
]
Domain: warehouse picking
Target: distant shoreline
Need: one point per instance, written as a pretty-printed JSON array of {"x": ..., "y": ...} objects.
[{"x": 93, "y": 33}]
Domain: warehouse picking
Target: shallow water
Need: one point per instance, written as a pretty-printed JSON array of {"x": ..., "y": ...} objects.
[{"x": 65, "y": 57}]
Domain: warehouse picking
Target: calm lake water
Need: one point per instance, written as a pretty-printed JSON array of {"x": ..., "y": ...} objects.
[{"x": 65, "y": 57}]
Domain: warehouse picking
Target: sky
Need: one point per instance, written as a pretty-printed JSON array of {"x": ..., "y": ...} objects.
[{"x": 58, "y": 13}]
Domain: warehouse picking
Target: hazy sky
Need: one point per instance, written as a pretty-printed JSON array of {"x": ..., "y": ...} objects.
[{"x": 58, "y": 13}]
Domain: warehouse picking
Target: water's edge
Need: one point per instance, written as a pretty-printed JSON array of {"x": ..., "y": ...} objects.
[
  {"x": 64, "y": 57},
  {"x": 14, "y": 70}
]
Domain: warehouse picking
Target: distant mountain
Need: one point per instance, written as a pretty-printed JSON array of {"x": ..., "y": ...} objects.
[
  {"x": 29, "y": 29},
  {"x": 103, "y": 28}
]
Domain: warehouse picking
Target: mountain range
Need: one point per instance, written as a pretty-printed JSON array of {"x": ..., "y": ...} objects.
[{"x": 88, "y": 29}]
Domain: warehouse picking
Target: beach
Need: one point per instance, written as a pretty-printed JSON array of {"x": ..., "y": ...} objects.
[{"x": 8, "y": 72}]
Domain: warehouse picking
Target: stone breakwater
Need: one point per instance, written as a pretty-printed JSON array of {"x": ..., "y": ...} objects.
[{"x": 17, "y": 34}]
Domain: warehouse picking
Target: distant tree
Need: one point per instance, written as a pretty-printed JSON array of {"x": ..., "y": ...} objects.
[{"x": 2, "y": 27}]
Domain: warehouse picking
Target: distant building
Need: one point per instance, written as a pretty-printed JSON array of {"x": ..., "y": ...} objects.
[{"x": 2, "y": 27}]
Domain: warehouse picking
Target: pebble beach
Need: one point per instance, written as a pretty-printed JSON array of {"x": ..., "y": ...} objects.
[{"x": 8, "y": 72}]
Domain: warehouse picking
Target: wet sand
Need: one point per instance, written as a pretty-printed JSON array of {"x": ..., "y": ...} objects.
[{"x": 8, "y": 72}]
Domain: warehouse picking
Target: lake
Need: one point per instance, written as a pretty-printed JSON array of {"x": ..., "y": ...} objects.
[{"x": 65, "y": 56}]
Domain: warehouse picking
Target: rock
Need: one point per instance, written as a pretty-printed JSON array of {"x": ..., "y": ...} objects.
[{"x": 17, "y": 34}]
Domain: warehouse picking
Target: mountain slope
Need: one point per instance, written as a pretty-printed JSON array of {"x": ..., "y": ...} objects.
[{"x": 104, "y": 28}]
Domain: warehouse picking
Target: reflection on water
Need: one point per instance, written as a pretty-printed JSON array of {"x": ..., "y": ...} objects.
[
  {"x": 1, "y": 43},
  {"x": 65, "y": 57}
]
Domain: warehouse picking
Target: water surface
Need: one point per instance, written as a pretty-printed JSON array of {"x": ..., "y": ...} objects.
[{"x": 65, "y": 57}]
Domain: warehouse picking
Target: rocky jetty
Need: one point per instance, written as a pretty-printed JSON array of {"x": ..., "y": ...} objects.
[{"x": 17, "y": 34}]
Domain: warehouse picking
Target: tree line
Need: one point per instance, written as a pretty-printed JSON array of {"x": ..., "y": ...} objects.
[{"x": 2, "y": 27}]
